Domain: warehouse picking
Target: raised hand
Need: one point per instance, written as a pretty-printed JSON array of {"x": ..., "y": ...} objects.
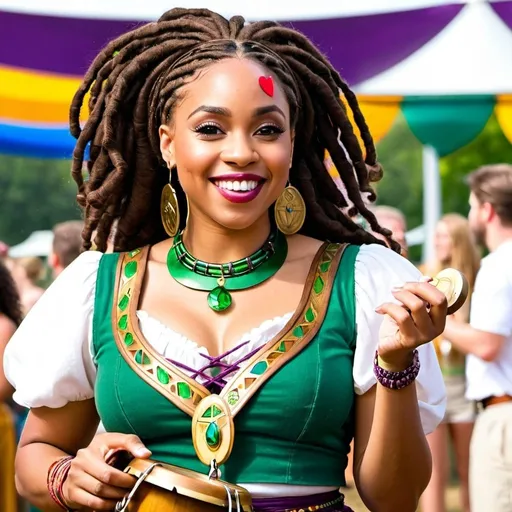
[{"x": 419, "y": 319}]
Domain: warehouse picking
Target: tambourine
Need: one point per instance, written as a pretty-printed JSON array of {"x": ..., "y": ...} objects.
[
  {"x": 165, "y": 488},
  {"x": 455, "y": 287}
]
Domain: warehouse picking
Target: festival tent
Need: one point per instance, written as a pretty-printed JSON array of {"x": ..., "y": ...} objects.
[
  {"x": 39, "y": 243},
  {"x": 45, "y": 48},
  {"x": 443, "y": 64},
  {"x": 449, "y": 89}
]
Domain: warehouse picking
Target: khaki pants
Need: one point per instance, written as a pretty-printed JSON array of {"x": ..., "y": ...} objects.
[{"x": 490, "y": 465}]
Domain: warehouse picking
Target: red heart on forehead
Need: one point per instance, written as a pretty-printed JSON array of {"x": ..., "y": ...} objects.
[{"x": 267, "y": 85}]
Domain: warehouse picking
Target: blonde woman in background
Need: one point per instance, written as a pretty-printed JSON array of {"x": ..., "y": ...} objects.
[
  {"x": 455, "y": 248},
  {"x": 27, "y": 272}
]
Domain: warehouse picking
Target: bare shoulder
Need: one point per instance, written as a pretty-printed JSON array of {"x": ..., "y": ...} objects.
[
  {"x": 158, "y": 252},
  {"x": 302, "y": 248}
]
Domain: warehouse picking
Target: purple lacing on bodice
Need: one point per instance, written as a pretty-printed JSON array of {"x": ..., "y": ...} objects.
[{"x": 216, "y": 384}]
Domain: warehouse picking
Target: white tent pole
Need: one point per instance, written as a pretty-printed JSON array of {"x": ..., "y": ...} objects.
[{"x": 431, "y": 199}]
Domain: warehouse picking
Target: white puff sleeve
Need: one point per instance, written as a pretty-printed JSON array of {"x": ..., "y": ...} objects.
[
  {"x": 48, "y": 360},
  {"x": 377, "y": 271}
]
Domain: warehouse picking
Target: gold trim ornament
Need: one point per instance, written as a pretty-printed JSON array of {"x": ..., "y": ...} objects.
[
  {"x": 213, "y": 430},
  {"x": 169, "y": 210},
  {"x": 290, "y": 211}
]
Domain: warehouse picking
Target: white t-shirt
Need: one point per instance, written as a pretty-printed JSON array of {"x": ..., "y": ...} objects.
[
  {"x": 49, "y": 359},
  {"x": 491, "y": 311}
]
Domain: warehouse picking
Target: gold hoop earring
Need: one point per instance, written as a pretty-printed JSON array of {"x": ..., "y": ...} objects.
[
  {"x": 290, "y": 211},
  {"x": 169, "y": 209}
]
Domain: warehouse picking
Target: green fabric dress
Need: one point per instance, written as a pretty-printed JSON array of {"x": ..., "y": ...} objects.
[{"x": 296, "y": 427}]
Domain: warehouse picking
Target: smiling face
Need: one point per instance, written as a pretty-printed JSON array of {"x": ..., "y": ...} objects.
[{"x": 232, "y": 144}]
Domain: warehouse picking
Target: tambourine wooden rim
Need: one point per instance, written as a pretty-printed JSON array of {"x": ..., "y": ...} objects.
[
  {"x": 455, "y": 287},
  {"x": 188, "y": 483}
]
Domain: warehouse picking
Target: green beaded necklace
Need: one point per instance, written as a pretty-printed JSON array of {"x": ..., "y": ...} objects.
[{"x": 220, "y": 278}]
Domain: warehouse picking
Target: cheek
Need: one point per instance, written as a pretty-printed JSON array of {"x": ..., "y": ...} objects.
[
  {"x": 442, "y": 244},
  {"x": 277, "y": 159},
  {"x": 193, "y": 156},
  {"x": 473, "y": 217}
]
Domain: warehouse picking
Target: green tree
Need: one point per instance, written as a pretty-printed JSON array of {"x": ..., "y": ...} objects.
[
  {"x": 490, "y": 147},
  {"x": 34, "y": 194},
  {"x": 401, "y": 156},
  {"x": 402, "y": 187}
]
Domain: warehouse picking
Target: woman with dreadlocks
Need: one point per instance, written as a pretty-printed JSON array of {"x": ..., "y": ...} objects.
[{"x": 225, "y": 331}]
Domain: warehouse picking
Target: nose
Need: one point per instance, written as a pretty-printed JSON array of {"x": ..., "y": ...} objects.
[{"x": 239, "y": 150}]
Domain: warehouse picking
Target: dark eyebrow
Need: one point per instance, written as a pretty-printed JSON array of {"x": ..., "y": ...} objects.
[
  {"x": 220, "y": 111},
  {"x": 261, "y": 111}
]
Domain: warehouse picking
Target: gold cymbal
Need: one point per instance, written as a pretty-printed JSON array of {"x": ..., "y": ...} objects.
[{"x": 454, "y": 285}]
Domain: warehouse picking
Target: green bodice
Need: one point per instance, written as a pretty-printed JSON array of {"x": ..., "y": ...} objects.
[{"x": 295, "y": 429}]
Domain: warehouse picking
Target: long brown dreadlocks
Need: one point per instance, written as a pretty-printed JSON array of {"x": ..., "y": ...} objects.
[
  {"x": 134, "y": 84},
  {"x": 10, "y": 304}
]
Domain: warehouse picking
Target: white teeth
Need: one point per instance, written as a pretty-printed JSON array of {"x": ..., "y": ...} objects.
[{"x": 237, "y": 186}]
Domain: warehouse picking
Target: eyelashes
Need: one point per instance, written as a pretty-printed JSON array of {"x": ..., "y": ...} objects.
[
  {"x": 210, "y": 129},
  {"x": 271, "y": 129}
]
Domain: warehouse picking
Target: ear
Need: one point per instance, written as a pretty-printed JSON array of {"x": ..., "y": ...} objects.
[
  {"x": 488, "y": 212},
  {"x": 166, "y": 134},
  {"x": 53, "y": 260}
]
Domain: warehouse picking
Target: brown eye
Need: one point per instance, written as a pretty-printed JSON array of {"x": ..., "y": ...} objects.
[
  {"x": 208, "y": 129},
  {"x": 269, "y": 129}
]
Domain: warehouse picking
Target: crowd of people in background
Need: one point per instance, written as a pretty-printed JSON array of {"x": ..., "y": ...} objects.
[
  {"x": 454, "y": 247},
  {"x": 478, "y": 386},
  {"x": 19, "y": 291}
]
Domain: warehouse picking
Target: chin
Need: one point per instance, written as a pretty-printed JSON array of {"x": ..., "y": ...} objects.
[
  {"x": 239, "y": 221},
  {"x": 238, "y": 224}
]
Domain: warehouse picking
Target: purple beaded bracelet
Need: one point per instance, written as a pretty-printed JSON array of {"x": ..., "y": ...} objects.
[{"x": 397, "y": 380}]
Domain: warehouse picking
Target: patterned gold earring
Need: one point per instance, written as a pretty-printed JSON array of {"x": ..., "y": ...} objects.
[
  {"x": 169, "y": 209},
  {"x": 290, "y": 211}
]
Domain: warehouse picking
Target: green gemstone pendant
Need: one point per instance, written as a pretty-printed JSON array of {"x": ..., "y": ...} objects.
[
  {"x": 213, "y": 431},
  {"x": 213, "y": 435},
  {"x": 219, "y": 299},
  {"x": 220, "y": 280}
]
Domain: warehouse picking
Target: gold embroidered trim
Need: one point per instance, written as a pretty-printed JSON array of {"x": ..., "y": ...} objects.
[
  {"x": 177, "y": 387},
  {"x": 295, "y": 338}
]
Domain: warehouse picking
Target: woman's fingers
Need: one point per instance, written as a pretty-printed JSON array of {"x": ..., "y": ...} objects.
[
  {"x": 100, "y": 489},
  {"x": 401, "y": 317},
  {"x": 92, "y": 482},
  {"x": 104, "y": 473},
  {"x": 417, "y": 309},
  {"x": 109, "y": 442},
  {"x": 87, "y": 501},
  {"x": 436, "y": 300},
  {"x": 421, "y": 315}
]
